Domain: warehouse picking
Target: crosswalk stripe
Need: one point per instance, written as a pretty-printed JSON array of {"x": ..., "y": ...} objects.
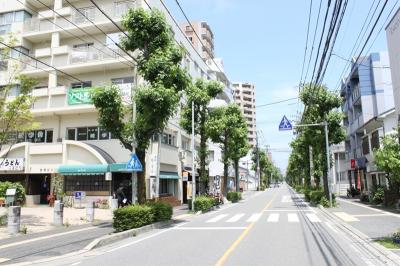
[
  {"x": 346, "y": 217},
  {"x": 273, "y": 218},
  {"x": 254, "y": 217},
  {"x": 217, "y": 218},
  {"x": 235, "y": 218},
  {"x": 293, "y": 218},
  {"x": 313, "y": 218},
  {"x": 287, "y": 198}
]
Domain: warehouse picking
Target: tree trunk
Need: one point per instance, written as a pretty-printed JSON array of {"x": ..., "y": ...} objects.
[
  {"x": 203, "y": 153},
  {"x": 326, "y": 186},
  {"x": 141, "y": 178},
  {"x": 236, "y": 163},
  {"x": 225, "y": 166}
]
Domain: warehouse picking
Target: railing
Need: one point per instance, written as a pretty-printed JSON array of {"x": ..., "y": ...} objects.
[{"x": 77, "y": 56}]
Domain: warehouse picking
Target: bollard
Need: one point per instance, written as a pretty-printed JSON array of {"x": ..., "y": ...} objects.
[
  {"x": 14, "y": 219},
  {"x": 90, "y": 211},
  {"x": 58, "y": 213},
  {"x": 114, "y": 204}
]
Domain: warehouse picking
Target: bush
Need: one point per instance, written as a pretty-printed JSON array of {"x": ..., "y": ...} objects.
[
  {"x": 132, "y": 216},
  {"x": 203, "y": 203},
  {"x": 396, "y": 237},
  {"x": 162, "y": 211},
  {"x": 324, "y": 202},
  {"x": 20, "y": 192},
  {"x": 316, "y": 195},
  {"x": 364, "y": 197},
  {"x": 234, "y": 196},
  {"x": 378, "y": 196},
  {"x": 307, "y": 194}
]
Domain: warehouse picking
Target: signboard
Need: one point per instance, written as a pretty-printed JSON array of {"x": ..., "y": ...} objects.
[
  {"x": 352, "y": 163},
  {"x": 79, "y": 195},
  {"x": 134, "y": 164},
  {"x": 11, "y": 164},
  {"x": 217, "y": 184},
  {"x": 185, "y": 176},
  {"x": 285, "y": 124},
  {"x": 153, "y": 165},
  {"x": 108, "y": 176},
  {"x": 80, "y": 96},
  {"x": 11, "y": 191}
]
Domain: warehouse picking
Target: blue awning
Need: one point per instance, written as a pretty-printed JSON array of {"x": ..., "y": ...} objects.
[
  {"x": 84, "y": 169},
  {"x": 168, "y": 175}
]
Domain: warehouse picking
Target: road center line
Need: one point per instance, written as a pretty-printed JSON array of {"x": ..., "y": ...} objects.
[
  {"x": 224, "y": 257},
  {"x": 212, "y": 228}
]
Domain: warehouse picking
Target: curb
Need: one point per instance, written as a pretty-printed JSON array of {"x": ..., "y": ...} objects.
[
  {"x": 376, "y": 249},
  {"x": 109, "y": 239}
]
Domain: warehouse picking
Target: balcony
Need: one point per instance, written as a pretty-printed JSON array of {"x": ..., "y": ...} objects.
[{"x": 36, "y": 28}]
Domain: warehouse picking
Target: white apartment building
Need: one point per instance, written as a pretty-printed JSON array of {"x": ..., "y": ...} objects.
[
  {"x": 244, "y": 96},
  {"x": 69, "y": 142}
]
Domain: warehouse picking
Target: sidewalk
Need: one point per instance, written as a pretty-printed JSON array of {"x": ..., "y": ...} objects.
[
  {"x": 40, "y": 218},
  {"x": 372, "y": 221}
]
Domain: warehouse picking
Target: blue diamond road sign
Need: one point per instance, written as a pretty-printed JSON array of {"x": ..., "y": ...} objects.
[
  {"x": 285, "y": 124},
  {"x": 134, "y": 164}
]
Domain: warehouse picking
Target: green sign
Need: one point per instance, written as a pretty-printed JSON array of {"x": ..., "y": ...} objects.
[{"x": 80, "y": 96}]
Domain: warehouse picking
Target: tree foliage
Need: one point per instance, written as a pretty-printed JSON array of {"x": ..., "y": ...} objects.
[
  {"x": 158, "y": 62},
  {"x": 227, "y": 126},
  {"x": 200, "y": 93}
]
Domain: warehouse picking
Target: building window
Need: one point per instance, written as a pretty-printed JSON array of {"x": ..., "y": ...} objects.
[
  {"x": 375, "y": 140},
  {"x": 163, "y": 186},
  {"x": 211, "y": 156},
  {"x": 185, "y": 144},
  {"x": 365, "y": 145},
  {"x": 86, "y": 183},
  {"x": 188, "y": 28},
  {"x": 4, "y": 65},
  {"x": 82, "y": 133},
  {"x": 104, "y": 134},
  {"x": 168, "y": 139},
  {"x": 36, "y": 136},
  {"x": 93, "y": 133},
  {"x": 88, "y": 133},
  {"x": 84, "y": 84}
]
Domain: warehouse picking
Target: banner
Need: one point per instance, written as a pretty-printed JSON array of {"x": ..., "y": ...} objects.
[
  {"x": 11, "y": 164},
  {"x": 80, "y": 96}
]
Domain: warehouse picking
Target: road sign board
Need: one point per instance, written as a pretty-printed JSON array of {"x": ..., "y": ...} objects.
[
  {"x": 285, "y": 124},
  {"x": 134, "y": 164},
  {"x": 79, "y": 195}
]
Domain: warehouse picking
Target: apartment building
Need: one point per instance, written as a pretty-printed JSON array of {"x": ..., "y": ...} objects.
[
  {"x": 70, "y": 143},
  {"x": 205, "y": 46},
  {"x": 393, "y": 41},
  {"x": 244, "y": 96},
  {"x": 369, "y": 114}
]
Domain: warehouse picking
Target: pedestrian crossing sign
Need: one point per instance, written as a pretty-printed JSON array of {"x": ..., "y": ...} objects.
[
  {"x": 134, "y": 164},
  {"x": 285, "y": 124}
]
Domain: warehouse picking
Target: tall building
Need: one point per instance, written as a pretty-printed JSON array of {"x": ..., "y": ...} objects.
[
  {"x": 369, "y": 114},
  {"x": 393, "y": 41},
  {"x": 206, "y": 46},
  {"x": 69, "y": 142},
  {"x": 244, "y": 96}
]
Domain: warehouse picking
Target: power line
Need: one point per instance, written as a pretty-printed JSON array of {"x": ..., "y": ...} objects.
[
  {"x": 281, "y": 101},
  {"x": 72, "y": 34},
  {"x": 306, "y": 45},
  {"x": 37, "y": 60}
]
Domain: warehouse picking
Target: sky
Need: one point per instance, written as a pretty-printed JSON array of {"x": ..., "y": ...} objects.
[{"x": 263, "y": 42}]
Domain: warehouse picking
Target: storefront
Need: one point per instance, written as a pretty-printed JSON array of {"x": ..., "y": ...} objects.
[{"x": 168, "y": 187}]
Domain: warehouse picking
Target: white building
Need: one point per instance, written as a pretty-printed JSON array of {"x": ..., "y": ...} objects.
[{"x": 70, "y": 142}]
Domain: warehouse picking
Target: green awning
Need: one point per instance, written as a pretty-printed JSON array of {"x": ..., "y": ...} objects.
[
  {"x": 168, "y": 175},
  {"x": 119, "y": 167},
  {"x": 84, "y": 169}
]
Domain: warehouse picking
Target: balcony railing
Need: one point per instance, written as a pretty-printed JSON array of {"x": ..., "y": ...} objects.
[
  {"x": 91, "y": 54},
  {"x": 86, "y": 15}
]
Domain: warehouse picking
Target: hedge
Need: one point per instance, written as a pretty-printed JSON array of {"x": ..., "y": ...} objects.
[
  {"x": 203, "y": 203},
  {"x": 132, "y": 216},
  {"x": 234, "y": 196},
  {"x": 162, "y": 211},
  {"x": 20, "y": 190}
]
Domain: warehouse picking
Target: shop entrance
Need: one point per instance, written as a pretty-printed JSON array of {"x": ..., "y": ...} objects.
[
  {"x": 39, "y": 185},
  {"x": 124, "y": 179}
]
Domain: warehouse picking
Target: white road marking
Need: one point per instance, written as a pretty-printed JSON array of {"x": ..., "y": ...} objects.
[
  {"x": 331, "y": 227},
  {"x": 254, "y": 217},
  {"x": 346, "y": 217},
  {"x": 313, "y": 218},
  {"x": 370, "y": 215},
  {"x": 293, "y": 218},
  {"x": 3, "y": 260},
  {"x": 45, "y": 237},
  {"x": 273, "y": 218},
  {"x": 287, "y": 210},
  {"x": 369, "y": 208},
  {"x": 287, "y": 199},
  {"x": 76, "y": 263},
  {"x": 212, "y": 228},
  {"x": 235, "y": 218},
  {"x": 217, "y": 218}
]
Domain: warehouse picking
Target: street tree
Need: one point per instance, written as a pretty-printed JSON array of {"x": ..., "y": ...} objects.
[
  {"x": 227, "y": 126},
  {"x": 387, "y": 159},
  {"x": 200, "y": 94},
  {"x": 158, "y": 62},
  {"x": 15, "y": 99}
]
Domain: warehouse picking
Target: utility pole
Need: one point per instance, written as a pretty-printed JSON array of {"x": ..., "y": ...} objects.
[
  {"x": 134, "y": 174},
  {"x": 258, "y": 162},
  {"x": 193, "y": 159},
  {"x": 328, "y": 161},
  {"x": 311, "y": 165}
]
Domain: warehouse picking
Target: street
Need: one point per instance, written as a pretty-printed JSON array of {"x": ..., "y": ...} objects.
[{"x": 274, "y": 227}]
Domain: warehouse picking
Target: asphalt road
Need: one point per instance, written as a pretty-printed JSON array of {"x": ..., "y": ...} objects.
[{"x": 274, "y": 227}]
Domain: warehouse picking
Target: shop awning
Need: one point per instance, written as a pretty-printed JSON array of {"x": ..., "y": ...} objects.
[
  {"x": 119, "y": 167},
  {"x": 84, "y": 169},
  {"x": 168, "y": 175}
]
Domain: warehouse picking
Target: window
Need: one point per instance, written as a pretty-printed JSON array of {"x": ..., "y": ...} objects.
[
  {"x": 103, "y": 134},
  {"x": 4, "y": 65},
  {"x": 86, "y": 183},
  {"x": 185, "y": 144},
  {"x": 188, "y": 28},
  {"x": 211, "y": 156},
  {"x": 36, "y": 136},
  {"x": 83, "y": 46},
  {"x": 93, "y": 133},
  {"x": 124, "y": 80},
  {"x": 4, "y": 29},
  {"x": 85, "y": 84},
  {"x": 163, "y": 186},
  {"x": 88, "y": 133},
  {"x": 375, "y": 140},
  {"x": 82, "y": 133},
  {"x": 365, "y": 145},
  {"x": 83, "y": 13},
  {"x": 168, "y": 139},
  {"x": 71, "y": 133}
]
